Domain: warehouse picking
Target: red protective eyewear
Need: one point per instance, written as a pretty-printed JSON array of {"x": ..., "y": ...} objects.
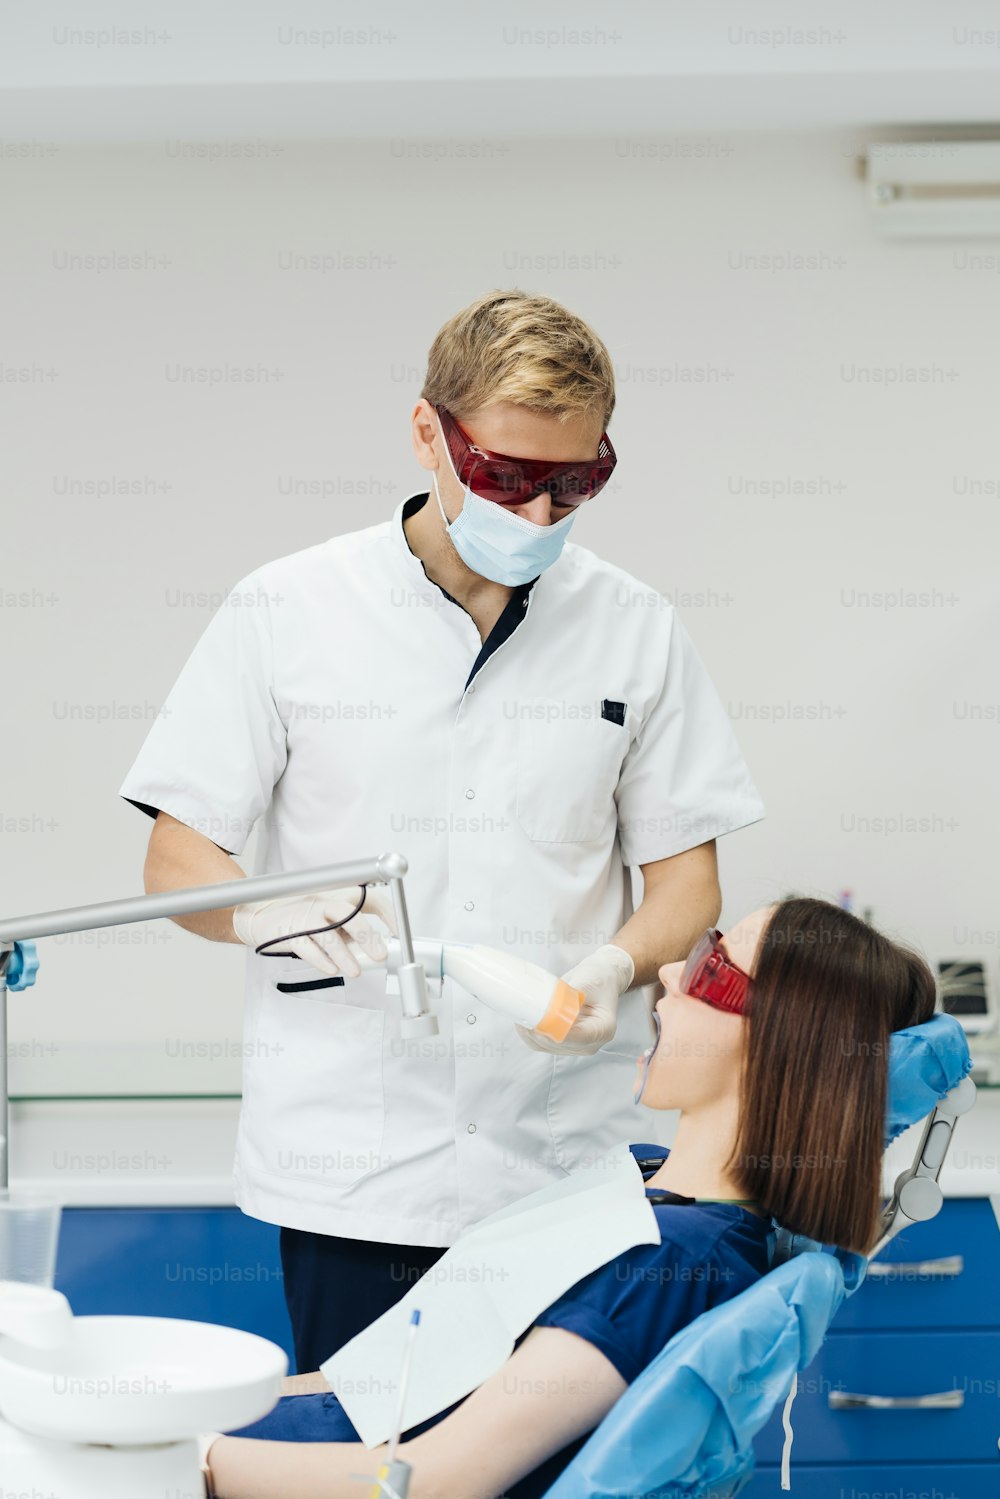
[
  {"x": 711, "y": 975},
  {"x": 515, "y": 481}
]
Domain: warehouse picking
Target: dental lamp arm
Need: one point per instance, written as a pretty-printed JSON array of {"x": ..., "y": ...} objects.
[
  {"x": 385, "y": 869},
  {"x": 417, "y": 1021}
]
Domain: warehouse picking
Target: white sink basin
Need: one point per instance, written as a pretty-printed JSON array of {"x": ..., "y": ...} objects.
[{"x": 133, "y": 1380}]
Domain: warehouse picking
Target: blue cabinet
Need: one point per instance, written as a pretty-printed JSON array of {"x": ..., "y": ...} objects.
[
  {"x": 926, "y": 1322},
  {"x": 206, "y": 1264},
  {"x": 945, "y": 1273},
  {"x": 955, "y": 1366},
  {"x": 892, "y": 1481}
]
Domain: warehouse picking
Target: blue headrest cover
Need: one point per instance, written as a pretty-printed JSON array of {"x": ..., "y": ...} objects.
[{"x": 925, "y": 1062}]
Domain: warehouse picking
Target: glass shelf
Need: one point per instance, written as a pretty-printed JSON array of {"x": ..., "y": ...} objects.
[
  {"x": 122, "y": 1097},
  {"x": 88, "y": 1073}
]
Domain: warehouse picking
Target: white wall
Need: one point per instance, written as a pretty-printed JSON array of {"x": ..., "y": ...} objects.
[{"x": 889, "y": 474}]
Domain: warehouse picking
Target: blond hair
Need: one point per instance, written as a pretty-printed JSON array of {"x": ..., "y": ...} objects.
[{"x": 530, "y": 351}]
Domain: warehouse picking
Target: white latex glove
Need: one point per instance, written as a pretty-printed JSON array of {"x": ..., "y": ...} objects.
[
  {"x": 333, "y": 953},
  {"x": 603, "y": 976}
]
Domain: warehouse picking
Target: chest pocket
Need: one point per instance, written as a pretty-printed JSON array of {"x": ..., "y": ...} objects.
[{"x": 569, "y": 759}]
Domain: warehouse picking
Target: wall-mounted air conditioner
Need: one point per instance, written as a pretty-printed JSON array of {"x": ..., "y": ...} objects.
[{"x": 934, "y": 188}]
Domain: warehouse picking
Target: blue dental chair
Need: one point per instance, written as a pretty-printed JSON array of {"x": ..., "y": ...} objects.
[{"x": 684, "y": 1429}]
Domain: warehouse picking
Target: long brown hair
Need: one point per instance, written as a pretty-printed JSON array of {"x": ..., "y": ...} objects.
[{"x": 827, "y": 992}]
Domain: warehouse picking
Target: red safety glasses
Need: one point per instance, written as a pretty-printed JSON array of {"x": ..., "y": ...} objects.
[
  {"x": 709, "y": 974},
  {"x": 515, "y": 481}
]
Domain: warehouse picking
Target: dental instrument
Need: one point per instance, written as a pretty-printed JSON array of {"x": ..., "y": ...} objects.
[
  {"x": 393, "y": 1478},
  {"x": 528, "y": 993},
  {"x": 645, "y": 1060}
]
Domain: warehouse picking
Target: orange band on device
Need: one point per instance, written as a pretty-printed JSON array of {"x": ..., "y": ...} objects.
[{"x": 563, "y": 1009}]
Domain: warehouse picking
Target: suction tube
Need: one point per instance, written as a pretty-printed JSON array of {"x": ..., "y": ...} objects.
[{"x": 646, "y": 1058}]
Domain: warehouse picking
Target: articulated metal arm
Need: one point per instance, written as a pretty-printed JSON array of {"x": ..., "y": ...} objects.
[
  {"x": 917, "y": 1194},
  {"x": 386, "y": 869}
]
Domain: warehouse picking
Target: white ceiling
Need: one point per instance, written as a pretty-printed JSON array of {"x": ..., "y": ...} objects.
[{"x": 284, "y": 70}]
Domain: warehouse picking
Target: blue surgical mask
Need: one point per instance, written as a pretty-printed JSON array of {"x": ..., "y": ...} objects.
[
  {"x": 647, "y": 1057},
  {"x": 497, "y": 545}
]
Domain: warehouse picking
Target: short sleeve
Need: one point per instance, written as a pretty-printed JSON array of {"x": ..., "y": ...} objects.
[
  {"x": 632, "y": 1306},
  {"x": 684, "y": 780},
  {"x": 218, "y": 744}
]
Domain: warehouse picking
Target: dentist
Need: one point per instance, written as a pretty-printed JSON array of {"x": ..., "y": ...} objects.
[{"x": 528, "y": 724}]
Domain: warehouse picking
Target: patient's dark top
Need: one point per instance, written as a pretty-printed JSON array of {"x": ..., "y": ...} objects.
[{"x": 630, "y": 1309}]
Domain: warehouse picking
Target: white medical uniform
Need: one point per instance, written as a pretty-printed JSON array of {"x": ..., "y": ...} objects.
[{"x": 329, "y": 698}]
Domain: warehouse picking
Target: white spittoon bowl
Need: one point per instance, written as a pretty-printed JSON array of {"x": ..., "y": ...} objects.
[{"x": 128, "y": 1381}]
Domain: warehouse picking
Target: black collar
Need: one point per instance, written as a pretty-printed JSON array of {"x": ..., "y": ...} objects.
[
  {"x": 513, "y": 610},
  {"x": 649, "y": 1165},
  {"x": 519, "y": 592}
]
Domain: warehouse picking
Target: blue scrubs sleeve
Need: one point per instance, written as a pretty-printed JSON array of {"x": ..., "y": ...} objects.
[
  {"x": 631, "y": 1307},
  {"x": 303, "y": 1418},
  {"x": 318, "y": 1418}
]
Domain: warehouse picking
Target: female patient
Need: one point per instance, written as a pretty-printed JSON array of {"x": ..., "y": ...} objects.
[{"x": 773, "y": 1044}]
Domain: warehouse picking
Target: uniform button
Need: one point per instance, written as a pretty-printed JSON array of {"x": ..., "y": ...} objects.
[
  {"x": 470, "y": 794},
  {"x": 470, "y": 905},
  {"x": 472, "y": 687},
  {"x": 470, "y": 1019},
  {"x": 471, "y": 1128}
]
